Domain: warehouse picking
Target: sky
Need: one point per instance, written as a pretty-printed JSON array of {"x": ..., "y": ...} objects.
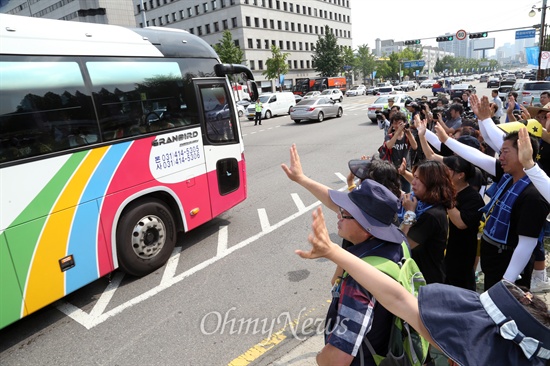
[{"x": 402, "y": 20}]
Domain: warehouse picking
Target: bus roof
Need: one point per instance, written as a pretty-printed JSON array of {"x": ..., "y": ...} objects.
[{"x": 21, "y": 35}]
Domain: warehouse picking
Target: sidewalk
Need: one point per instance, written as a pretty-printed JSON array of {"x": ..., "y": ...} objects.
[{"x": 304, "y": 354}]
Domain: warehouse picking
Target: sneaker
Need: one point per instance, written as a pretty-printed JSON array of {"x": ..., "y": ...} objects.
[{"x": 538, "y": 285}]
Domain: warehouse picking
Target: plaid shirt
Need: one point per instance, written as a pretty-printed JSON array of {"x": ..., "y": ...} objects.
[{"x": 355, "y": 314}]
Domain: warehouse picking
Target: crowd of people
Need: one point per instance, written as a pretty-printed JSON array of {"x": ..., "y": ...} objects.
[{"x": 458, "y": 186}]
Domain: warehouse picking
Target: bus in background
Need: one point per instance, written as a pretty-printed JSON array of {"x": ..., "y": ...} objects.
[
  {"x": 111, "y": 141},
  {"x": 337, "y": 82},
  {"x": 303, "y": 86}
]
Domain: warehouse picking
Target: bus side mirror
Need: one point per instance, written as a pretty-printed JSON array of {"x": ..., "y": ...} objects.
[{"x": 252, "y": 89}]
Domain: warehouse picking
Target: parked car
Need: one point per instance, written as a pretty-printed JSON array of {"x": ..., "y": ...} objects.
[
  {"x": 382, "y": 102},
  {"x": 311, "y": 94},
  {"x": 427, "y": 84},
  {"x": 218, "y": 113},
  {"x": 493, "y": 82},
  {"x": 484, "y": 78},
  {"x": 386, "y": 90},
  {"x": 408, "y": 85},
  {"x": 506, "y": 87},
  {"x": 356, "y": 90},
  {"x": 458, "y": 89},
  {"x": 529, "y": 91},
  {"x": 334, "y": 94},
  {"x": 316, "y": 109}
]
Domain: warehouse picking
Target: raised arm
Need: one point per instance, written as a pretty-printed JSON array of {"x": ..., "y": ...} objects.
[
  {"x": 525, "y": 154},
  {"x": 387, "y": 291},
  {"x": 296, "y": 174},
  {"x": 492, "y": 135},
  {"x": 430, "y": 155}
]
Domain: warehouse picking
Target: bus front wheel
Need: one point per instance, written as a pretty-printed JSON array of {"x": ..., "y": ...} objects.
[{"x": 146, "y": 236}]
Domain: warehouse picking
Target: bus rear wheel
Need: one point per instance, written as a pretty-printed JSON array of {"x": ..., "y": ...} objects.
[{"x": 146, "y": 236}]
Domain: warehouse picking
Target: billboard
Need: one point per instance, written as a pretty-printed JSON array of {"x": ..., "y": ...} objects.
[{"x": 483, "y": 44}]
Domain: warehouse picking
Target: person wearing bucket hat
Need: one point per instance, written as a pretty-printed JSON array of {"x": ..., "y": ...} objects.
[
  {"x": 516, "y": 212},
  {"x": 366, "y": 217},
  {"x": 502, "y": 326}
]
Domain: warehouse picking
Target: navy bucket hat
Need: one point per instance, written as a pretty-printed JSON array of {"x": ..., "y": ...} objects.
[
  {"x": 488, "y": 329},
  {"x": 374, "y": 207}
]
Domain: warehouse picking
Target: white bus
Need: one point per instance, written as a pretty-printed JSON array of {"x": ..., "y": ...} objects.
[{"x": 111, "y": 141}]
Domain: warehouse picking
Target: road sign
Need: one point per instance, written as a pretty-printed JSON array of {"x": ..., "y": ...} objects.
[
  {"x": 521, "y": 34},
  {"x": 347, "y": 67},
  {"x": 407, "y": 65},
  {"x": 461, "y": 34},
  {"x": 414, "y": 64}
]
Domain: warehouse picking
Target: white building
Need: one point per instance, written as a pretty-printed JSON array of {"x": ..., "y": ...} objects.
[
  {"x": 255, "y": 25},
  {"x": 116, "y": 12}
]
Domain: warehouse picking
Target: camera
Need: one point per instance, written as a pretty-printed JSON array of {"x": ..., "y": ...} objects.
[
  {"x": 517, "y": 113},
  {"x": 407, "y": 125}
]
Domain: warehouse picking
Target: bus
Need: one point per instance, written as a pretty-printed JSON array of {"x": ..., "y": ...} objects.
[
  {"x": 303, "y": 86},
  {"x": 337, "y": 82},
  {"x": 112, "y": 140}
]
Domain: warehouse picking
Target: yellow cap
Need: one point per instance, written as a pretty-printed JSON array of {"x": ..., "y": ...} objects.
[{"x": 534, "y": 127}]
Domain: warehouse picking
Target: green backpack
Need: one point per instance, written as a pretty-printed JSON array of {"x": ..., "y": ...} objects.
[{"x": 406, "y": 347}]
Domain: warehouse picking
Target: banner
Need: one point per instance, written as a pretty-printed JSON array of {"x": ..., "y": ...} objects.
[
  {"x": 544, "y": 60},
  {"x": 373, "y": 74},
  {"x": 532, "y": 54}
]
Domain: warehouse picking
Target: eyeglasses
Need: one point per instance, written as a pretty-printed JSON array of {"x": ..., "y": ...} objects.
[{"x": 344, "y": 216}]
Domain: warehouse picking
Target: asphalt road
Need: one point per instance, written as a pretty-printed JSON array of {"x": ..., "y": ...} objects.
[{"x": 234, "y": 292}]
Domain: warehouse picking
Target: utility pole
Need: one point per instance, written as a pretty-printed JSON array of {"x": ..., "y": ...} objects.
[{"x": 541, "y": 39}]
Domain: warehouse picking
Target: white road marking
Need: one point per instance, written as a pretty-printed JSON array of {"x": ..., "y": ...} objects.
[
  {"x": 171, "y": 265},
  {"x": 341, "y": 177},
  {"x": 97, "y": 314},
  {"x": 222, "y": 240},
  {"x": 298, "y": 202}
]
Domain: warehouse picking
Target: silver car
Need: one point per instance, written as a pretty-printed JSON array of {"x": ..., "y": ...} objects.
[
  {"x": 316, "y": 109},
  {"x": 382, "y": 103}
]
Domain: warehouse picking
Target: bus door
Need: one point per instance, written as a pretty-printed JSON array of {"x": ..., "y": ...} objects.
[{"x": 223, "y": 147}]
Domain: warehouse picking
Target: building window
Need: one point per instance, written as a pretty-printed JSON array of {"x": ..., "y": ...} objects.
[
  {"x": 223, "y": 3},
  {"x": 197, "y": 9},
  {"x": 307, "y": 64},
  {"x": 252, "y": 65},
  {"x": 270, "y": 2},
  {"x": 288, "y": 45},
  {"x": 278, "y": 4},
  {"x": 281, "y": 43},
  {"x": 260, "y": 65},
  {"x": 289, "y": 64},
  {"x": 182, "y": 14},
  {"x": 266, "y": 44},
  {"x": 290, "y": 7},
  {"x": 294, "y": 45},
  {"x": 265, "y": 23},
  {"x": 273, "y": 43},
  {"x": 297, "y": 8},
  {"x": 168, "y": 17},
  {"x": 250, "y": 43},
  {"x": 214, "y": 5},
  {"x": 258, "y": 43},
  {"x": 192, "y": 30},
  {"x": 199, "y": 30},
  {"x": 316, "y": 30},
  {"x": 160, "y": 21},
  {"x": 279, "y": 25},
  {"x": 295, "y": 64},
  {"x": 257, "y": 22},
  {"x": 205, "y": 7},
  {"x": 189, "y": 12},
  {"x": 234, "y": 22},
  {"x": 271, "y": 23},
  {"x": 216, "y": 27},
  {"x": 247, "y": 20},
  {"x": 224, "y": 24},
  {"x": 236, "y": 43},
  {"x": 286, "y": 25},
  {"x": 299, "y": 27},
  {"x": 301, "y": 64},
  {"x": 292, "y": 26},
  {"x": 284, "y": 6},
  {"x": 207, "y": 28},
  {"x": 154, "y": 22},
  {"x": 307, "y": 46},
  {"x": 310, "y": 28},
  {"x": 300, "y": 46}
]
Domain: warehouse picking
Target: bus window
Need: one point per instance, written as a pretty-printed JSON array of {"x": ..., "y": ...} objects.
[
  {"x": 220, "y": 124},
  {"x": 140, "y": 97},
  {"x": 44, "y": 108}
]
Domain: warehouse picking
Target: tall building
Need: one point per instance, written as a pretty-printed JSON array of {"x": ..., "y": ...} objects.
[
  {"x": 115, "y": 12},
  {"x": 255, "y": 25}
]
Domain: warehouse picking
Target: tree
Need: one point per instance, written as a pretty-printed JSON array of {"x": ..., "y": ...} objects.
[
  {"x": 411, "y": 54},
  {"x": 228, "y": 52},
  {"x": 365, "y": 61},
  {"x": 327, "y": 57},
  {"x": 276, "y": 65},
  {"x": 390, "y": 68}
]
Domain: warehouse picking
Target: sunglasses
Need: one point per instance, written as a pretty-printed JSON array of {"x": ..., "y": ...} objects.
[{"x": 344, "y": 216}]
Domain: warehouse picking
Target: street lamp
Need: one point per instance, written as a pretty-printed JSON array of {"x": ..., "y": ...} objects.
[{"x": 532, "y": 13}]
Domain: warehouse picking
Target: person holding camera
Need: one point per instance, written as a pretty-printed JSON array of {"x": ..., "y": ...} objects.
[
  {"x": 400, "y": 141},
  {"x": 383, "y": 122}
]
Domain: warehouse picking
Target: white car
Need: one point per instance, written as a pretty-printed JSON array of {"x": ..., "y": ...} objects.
[
  {"x": 408, "y": 85},
  {"x": 311, "y": 94},
  {"x": 356, "y": 90},
  {"x": 334, "y": 94},
  {"x": 427, "y": 84},
  {"x": 382, "y": 102},
  {"x": 241, "y": 110}
]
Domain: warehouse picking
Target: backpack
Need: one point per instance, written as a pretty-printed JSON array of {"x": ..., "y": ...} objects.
[{"x": 406, "y": 347}]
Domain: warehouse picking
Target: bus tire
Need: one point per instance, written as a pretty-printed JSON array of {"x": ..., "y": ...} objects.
[
  {"x": 267, "y": 114},
  {"x": 146, "y": 236}
]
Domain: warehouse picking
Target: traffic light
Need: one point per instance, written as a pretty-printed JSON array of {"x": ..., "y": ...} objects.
[
  {"x": 478, "y": 35},
  {"x": 444, "y": 38},
  {"x": 413, "y": 41}
]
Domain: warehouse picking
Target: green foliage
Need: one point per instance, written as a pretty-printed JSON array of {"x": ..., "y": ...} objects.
[
  {"x": 328, "y": 58},
  {"x": 389, "y": 69},
  {"x": 365, "y": 61},
  {"x": 227, "y": 51},
  {"x": 276, "y": 65}
]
